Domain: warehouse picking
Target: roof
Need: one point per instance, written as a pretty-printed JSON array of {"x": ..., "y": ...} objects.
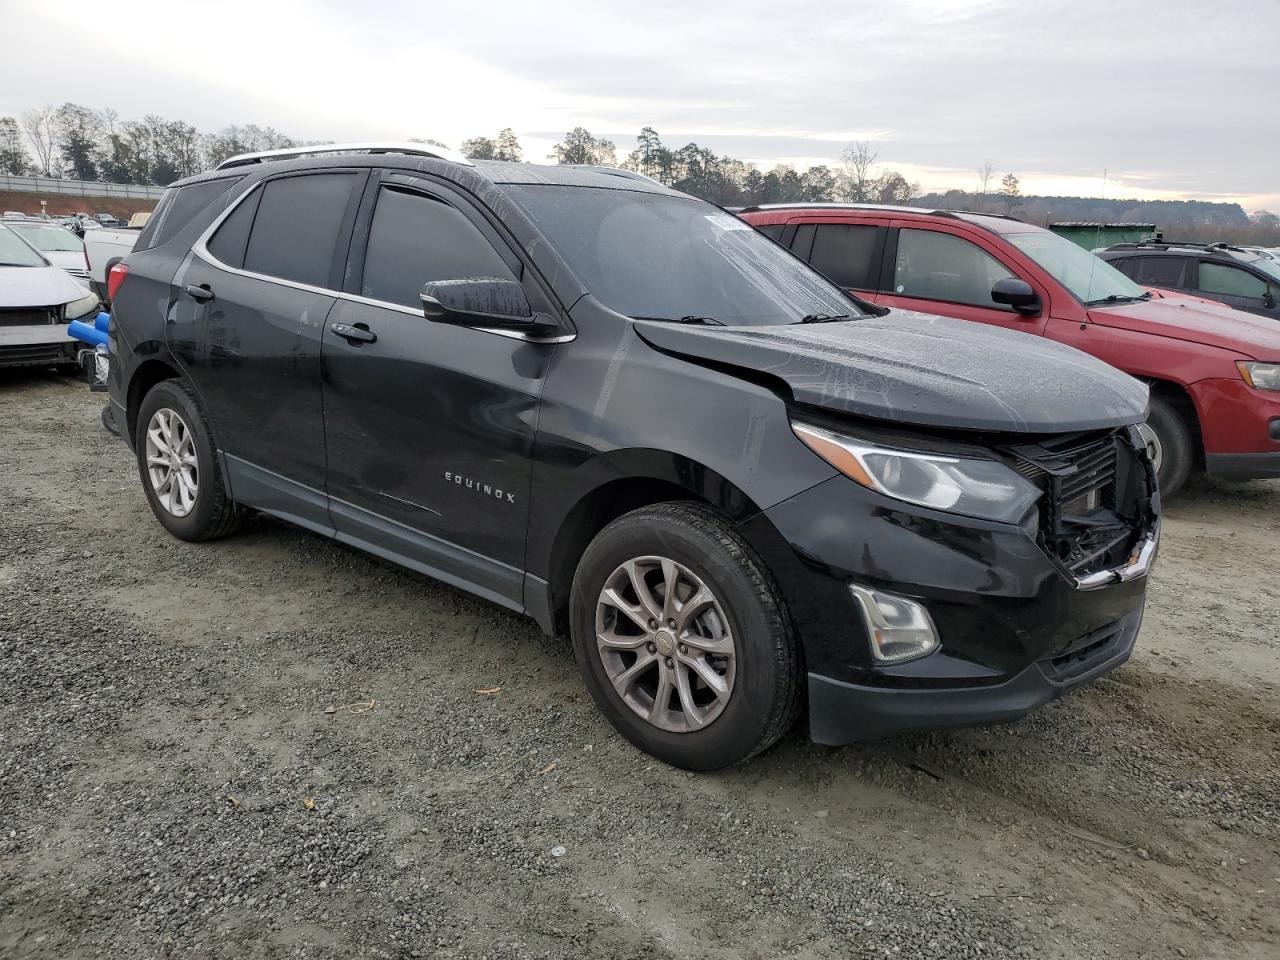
[
  {"x": 507, "y": 172},
  {"x": 995, "y": 222}
]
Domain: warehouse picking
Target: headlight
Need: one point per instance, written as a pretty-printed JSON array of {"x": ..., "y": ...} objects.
[
  {"x": 1261, "y": 376},
  {"x": 79, "y": 309},
  {"x": 976, "y": 488}
]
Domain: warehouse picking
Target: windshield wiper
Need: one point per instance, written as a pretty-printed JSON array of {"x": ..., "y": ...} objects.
[
  {"x": 709, "y": 321},
  {"x": 1118, "y": 298},
  {"x": 824, "y": 317}
]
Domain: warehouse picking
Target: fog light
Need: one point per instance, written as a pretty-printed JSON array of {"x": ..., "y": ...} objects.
[{"x": 900, "y": 629}]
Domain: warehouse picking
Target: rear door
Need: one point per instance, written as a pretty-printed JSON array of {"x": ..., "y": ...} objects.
[
  {"x": 847, "y": 252},
  {"x": 1236, "y": 287},
  {"x": 945, "y": 270},
  {"x": 247, "y": 324},
  {"x": 430, "y": 426},
  {"x": 1163, "y": 272}
]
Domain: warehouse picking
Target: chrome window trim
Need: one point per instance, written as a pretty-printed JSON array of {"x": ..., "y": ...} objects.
[{"x": 200, "y": 248}]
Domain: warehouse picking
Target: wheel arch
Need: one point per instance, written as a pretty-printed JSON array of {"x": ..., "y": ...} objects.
[
  {"x": 1184, "y": 402},
  {"x": 627, "y": 480},
  {"x": 145, "y": 377}
]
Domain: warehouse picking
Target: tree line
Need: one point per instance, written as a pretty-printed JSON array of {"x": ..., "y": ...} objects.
[{"x": 81, "y": 143}]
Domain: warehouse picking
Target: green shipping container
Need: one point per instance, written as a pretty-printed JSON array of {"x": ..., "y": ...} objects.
[{"x": 1092, "y": 236}]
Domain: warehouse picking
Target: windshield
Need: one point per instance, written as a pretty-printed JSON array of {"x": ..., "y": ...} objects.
[
  {"x": 1270, "y": 267},
  {"x": 657, "y": 256},
  {"x": 42, "y": 236},
  {"x": 1090, "y": 279},
  {"x": 15, "y": 252}
]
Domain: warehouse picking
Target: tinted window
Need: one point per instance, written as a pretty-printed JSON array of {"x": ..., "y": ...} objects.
[
  {"x": 848, "y": 253},
  {"x": 415, "y": 239},
  {"x": 773, "y": 230},
  {"x": 295, "y": 232},
  {"x": 1230, "y": 281},
  {"x": 1158, "y": 271},
  {"x": 179, "y": 207},
  {"x": 229, "y": 242},
  {"x": 661, "y": 255},
  {"x": 939, "y": 266}
]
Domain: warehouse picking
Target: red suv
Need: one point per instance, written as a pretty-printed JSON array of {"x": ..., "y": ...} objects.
[{"x": 1214, "y": 372}]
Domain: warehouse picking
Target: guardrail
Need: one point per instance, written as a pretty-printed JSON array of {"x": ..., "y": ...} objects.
[{"x": 80, "y": 188}]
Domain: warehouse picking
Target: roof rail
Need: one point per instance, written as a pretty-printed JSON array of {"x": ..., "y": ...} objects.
[
  {"x": 614, "y": 172},
  {"x": 1162, "y": 244},
  {"x": 873, "y": 207},
  {"x": 408, "y": 148}
]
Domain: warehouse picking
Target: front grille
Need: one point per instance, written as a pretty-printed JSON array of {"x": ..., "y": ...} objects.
[
  {"x": 27, "y": 316},
  {"x": 1084, "y": 654},
  {"x": 33, "y": 354},
  {"x": 1095, "y": 504}
]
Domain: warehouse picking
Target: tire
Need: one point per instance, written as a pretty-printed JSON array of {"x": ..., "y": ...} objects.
[
  {"x": 1172, "y": 446},
  {"x": 690, "y": 545},
  {"x": 208, "y": 513}
]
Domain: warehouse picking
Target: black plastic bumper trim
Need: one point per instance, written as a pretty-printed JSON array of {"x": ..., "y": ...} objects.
[
  {"x": 841, "y": 713},
  {"x": 1244, "y": 466}
]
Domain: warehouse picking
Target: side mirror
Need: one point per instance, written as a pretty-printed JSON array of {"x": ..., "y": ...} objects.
[
  {"x": 1016, "y": 293},
  {"x": 1269, "y": 300},
  {"x": 479, "y": 302}
]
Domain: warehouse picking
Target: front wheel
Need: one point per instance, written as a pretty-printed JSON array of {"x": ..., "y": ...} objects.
[
  {"x": 683, "y": 639},
  {"x": 1170, "y": 446}
]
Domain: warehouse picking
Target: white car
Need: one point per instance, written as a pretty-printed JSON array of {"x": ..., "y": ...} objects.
[
  {"x": 37, "y": 301},
  {"x": 59, "y": 245}
]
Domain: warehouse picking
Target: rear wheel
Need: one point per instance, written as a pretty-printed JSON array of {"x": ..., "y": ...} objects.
[
  {"x": 179, "y": 467},
  {"x": 1170, "y": 446},
  {"x": 682, "y": 638}
]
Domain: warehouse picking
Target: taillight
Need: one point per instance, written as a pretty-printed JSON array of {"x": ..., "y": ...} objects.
[{"x": 115, "y": 277}]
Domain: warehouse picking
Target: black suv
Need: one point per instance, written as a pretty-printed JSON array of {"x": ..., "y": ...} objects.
[
  {"x": 1235, "y": 276},
  {"x": 625, "y": 413}
]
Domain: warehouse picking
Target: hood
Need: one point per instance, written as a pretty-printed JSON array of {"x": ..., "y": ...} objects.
[
  {"x": 37, "y": 287},
  {"x": 1185, "y": 318},
  {"x": 915, "y": 368}
]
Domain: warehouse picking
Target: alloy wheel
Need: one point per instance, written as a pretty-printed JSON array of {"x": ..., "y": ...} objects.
[
  {"x": 665, "y": 644},
  {"x": 172, "y": 466},
  {"x": 1155, "y": 450}
]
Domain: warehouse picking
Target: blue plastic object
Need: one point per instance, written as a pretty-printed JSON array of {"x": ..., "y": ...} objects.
[
  {"x": 102, "y": 321},
  {"x": 81, "y": 331}
]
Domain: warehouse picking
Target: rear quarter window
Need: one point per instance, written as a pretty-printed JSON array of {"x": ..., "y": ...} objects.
[{"x": 179, "y": 206}]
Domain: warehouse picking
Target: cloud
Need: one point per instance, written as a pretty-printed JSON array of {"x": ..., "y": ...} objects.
[{"x": 1171, "y": 97}]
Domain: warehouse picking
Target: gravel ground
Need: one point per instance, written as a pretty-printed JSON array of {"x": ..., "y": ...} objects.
[{"x": 274, "y": 746}]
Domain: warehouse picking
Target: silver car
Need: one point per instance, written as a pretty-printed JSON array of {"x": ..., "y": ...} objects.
[{"x": 37, "y": 301}]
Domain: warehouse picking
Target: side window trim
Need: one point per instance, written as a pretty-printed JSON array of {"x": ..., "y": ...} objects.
[
  {"x": 892, "y": 264},
  {"x": 201, "y": 246},
  {"x": 540, "y": 296}
]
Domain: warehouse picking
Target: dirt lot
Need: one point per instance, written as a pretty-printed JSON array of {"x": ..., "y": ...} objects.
[{"x": 274, "y": 746}]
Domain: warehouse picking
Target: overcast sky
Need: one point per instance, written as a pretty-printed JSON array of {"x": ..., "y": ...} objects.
[{"x": 1171, "y": 98}]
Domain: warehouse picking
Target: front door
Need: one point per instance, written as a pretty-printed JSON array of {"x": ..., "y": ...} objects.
[
  {"x": 429, "y": 427},
  {"x": 1237, "y": 288},
  {"x": 939, "y": 270},
  {"x": 246, "y": 326}
]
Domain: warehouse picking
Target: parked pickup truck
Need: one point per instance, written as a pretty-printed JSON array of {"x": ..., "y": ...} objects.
[{"x": 103, "y": 249}]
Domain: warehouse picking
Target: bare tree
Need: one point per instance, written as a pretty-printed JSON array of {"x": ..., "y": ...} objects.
[
  {"x": 41, "y": 132},
  {"x": 985, "y": 173},
  {"x": 857, "y": 160}
]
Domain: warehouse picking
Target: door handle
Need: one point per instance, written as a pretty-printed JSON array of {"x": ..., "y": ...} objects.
[
  {"x": 198, "y": 294},
  {"x": 354, "y": 334}
]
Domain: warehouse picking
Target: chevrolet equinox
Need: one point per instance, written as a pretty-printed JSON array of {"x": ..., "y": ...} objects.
[{"x": 744, "y": 493}]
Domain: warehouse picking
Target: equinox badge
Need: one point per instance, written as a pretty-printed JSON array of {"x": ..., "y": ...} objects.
[{"x": 478, "y": 487}]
